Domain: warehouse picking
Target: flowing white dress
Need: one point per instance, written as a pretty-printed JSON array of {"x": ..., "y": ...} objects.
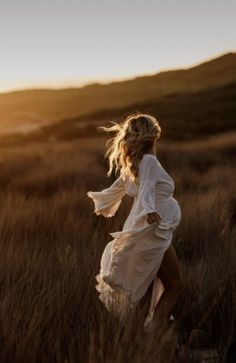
[{"x": 130, "y": 262}]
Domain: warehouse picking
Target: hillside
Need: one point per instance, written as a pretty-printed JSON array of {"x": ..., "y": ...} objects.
[
  {"x": 182, "y": 116},
  {"x": 27, "y": 109}
]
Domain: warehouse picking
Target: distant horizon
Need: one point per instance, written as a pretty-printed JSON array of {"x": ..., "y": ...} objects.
[
  {"x": 63, "y": 85},
  {"x": 72, "y": 44}
]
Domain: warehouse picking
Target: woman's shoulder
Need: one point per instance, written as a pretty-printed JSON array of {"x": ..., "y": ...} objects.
[
  {"x": 150, "y": 159},
  {"x": 153, "y": 160},
  {"x": 149, "y": 167}
]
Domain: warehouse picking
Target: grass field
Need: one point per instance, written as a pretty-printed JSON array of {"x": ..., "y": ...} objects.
[{"x": 51, "y": 243}]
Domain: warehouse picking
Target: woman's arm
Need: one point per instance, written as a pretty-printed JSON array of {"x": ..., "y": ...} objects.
[{"x": 149, "y": 175}]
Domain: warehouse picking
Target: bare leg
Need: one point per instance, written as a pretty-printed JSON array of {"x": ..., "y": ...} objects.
[
  {"x": 171, "y": 277},
  {"x": 144, "y": 303}
]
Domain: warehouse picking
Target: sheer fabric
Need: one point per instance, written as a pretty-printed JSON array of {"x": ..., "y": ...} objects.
[{"x": 108, "y": 200}]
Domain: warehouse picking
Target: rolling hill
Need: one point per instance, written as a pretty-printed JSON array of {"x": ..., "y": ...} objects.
[
  {"x": 28, "y": 109},
  {"x": 185, "y": 116}
]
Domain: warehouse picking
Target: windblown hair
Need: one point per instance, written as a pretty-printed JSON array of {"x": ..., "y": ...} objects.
[{"x": 134, "y": 137}]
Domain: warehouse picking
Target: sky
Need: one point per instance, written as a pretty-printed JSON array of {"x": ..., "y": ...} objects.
[{"x": 70, "y": 43}]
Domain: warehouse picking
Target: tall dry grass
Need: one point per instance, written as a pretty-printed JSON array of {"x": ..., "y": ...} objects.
[{"x": 51, "y": 244}]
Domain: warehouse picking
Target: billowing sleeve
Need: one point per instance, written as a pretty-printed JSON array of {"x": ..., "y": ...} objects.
[
  {"x": 149, "y": 174},
  {"x": 108, "y": 200}
]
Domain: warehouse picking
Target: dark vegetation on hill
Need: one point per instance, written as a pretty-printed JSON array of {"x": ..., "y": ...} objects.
[{"x": 182, "y": 117}]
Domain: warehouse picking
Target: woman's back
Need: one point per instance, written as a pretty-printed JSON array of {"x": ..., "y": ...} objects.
[{"x": 151, "y": 169}]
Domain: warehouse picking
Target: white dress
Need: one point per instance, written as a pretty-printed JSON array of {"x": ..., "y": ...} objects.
[{"x": 130, "y": 262}]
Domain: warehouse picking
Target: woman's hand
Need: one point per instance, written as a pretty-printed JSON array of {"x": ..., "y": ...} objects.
[{"x": 153, "y": 218}]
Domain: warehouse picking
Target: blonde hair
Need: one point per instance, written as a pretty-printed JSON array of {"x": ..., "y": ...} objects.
[{"x": 134, "y": 137}]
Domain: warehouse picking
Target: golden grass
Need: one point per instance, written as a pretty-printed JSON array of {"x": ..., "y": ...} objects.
[{"x": 51, "y": 244}]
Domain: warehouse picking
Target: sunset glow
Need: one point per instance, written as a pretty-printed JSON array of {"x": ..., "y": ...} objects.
[{"x": 69, "y": 44}]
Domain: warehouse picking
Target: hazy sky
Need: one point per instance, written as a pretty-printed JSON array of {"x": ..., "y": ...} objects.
[{"x": 55, "y": 43}]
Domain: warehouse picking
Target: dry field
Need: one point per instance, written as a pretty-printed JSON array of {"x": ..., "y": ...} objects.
[{"x": 51, "y": 244}]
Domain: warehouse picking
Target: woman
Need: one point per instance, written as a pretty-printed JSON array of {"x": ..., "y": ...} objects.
[{"x": 141, "y": 254}]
